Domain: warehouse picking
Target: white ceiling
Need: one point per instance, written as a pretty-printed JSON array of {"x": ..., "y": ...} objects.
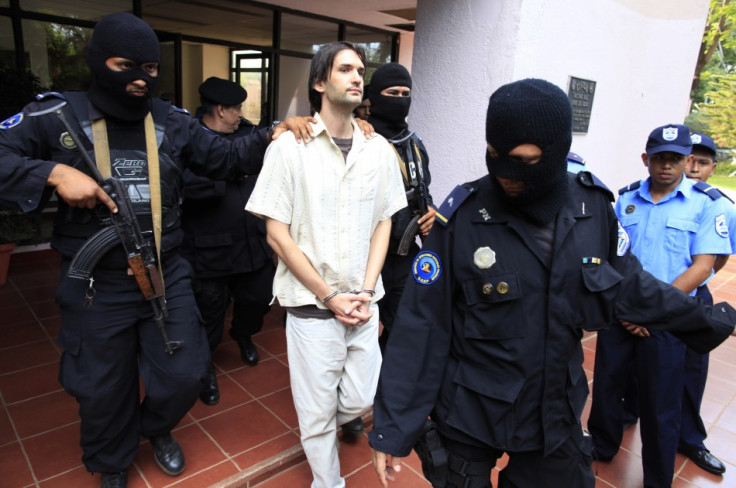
[
  {"x": 241, "y": 22},
  {"x": 367, "y": 12},
  {"x": 238, "y": 20}
]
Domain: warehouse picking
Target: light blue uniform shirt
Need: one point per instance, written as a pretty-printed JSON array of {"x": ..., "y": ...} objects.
[
  {"x": 665, "y": 235},
  {"x": 730, "y": 210}
]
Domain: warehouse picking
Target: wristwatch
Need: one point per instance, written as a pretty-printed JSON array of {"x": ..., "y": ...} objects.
[{"x": 269, "y": 131}]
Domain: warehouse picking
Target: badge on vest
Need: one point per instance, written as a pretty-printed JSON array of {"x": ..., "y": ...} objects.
[
  {"x": 66, "y": 141},
  {"x": 11, "y": 122},
  {"x": 426, "y": 268},
  {"x": 721, "y": 226},
  {"x": 484, "y": 257}
]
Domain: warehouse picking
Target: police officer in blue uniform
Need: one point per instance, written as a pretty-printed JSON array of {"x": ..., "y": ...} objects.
[
  {"x": 226, "y": 245},
  {"x": 487, "y": 336},
  {"x": 676, "y": 230},
  {"x": 692, "y": 429},
  {"x": 110, "y": 340}
]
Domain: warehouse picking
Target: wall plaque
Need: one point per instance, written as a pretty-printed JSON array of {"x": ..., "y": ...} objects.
[{"x": 581, "y": 94}]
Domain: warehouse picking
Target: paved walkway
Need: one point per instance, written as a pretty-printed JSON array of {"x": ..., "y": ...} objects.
[{"x": 251, "y": 437}]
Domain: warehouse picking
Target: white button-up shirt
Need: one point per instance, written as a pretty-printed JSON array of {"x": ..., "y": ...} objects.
[{"x": 332, "y": 206}]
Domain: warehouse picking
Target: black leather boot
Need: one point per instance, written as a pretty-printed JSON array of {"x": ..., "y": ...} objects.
[
  {"x": 210, "y": 392},
  {"x": 114, "y": 480},
  {"x": 168, "y": 454}
]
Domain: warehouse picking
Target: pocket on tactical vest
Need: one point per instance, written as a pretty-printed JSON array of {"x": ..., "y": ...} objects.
[
  {"x": 495, "y": 309},
  {"x": 600, "y": 286}
]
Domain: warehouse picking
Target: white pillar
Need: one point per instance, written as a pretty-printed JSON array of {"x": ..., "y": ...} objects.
[{"x": 641, "y": 54}]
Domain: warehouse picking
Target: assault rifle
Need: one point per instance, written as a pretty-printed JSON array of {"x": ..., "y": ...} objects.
[
  {"x": 416, "y": 196},
  {"x": 121, "y": 228}
]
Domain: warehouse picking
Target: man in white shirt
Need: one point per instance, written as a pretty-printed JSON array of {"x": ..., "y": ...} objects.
[{"x": 328, "y": 207}]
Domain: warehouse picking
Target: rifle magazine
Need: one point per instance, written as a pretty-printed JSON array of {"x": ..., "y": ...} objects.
[{"x": 84, "y": 261}]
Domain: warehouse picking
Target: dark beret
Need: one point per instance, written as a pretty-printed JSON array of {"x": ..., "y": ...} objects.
[{"x": 222, "y": 92}]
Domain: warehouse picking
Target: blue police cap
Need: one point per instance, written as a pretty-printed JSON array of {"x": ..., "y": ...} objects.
[
  {"x": 671, "y": 137},
  {"x": 703, "y": 141}
]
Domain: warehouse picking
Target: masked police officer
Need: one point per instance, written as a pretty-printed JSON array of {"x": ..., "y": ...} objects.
[
  {"x": 487, "y": 338},
  {"x": 390, "y": 96},
  {"x": 110, "y": 338}
]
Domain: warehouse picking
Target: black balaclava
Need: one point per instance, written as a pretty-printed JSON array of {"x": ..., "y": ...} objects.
[
  {"x": 531, "y": 111},
  {"x": 388, "y": 114},
  {"x": 121, "y": 35}
]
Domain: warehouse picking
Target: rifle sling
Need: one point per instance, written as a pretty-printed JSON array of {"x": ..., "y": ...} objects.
[{"x": 102, "y": 157}]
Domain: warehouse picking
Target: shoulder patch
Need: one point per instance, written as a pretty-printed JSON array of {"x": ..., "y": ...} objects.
[
  {"x": 11, "y": 122},
  {"x": 586, "y": 178},
  {"x": 48, "y": 95},
  {"x": 713, "y": 192},
  {"x": 632, "y": 186},
  {"x": 722, "y": 225},
  {"x": 452, "y": 203},
  {"x": 426, "y": 268},
  {"x": 624, "y": 241}
]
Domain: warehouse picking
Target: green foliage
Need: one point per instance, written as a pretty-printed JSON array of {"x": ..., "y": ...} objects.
[
  {"x": 722, "y": 181},
  {"x": 66, "y": 46},
  {"x": 713, "y": 92},
  {"x": 725, "y": 168},
  {"x": 19, "y": 88},
  {"x": 717, "y": 116}
]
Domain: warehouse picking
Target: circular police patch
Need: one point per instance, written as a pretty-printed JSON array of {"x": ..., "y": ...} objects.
[
  {"x": 66, "y": 141},
  {"x": 11, "y": 122},
  {"x": 630, "y": 209},
  {"x": 426, "y": 268}
]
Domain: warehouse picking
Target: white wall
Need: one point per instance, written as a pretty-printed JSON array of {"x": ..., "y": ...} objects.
[
  {"x": 641, "y": 56},
  {"x": 463, "y": 50}
]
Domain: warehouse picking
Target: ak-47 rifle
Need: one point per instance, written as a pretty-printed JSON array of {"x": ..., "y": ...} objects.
[
  {"x": 122, "y": 228},
  {"x": 416, "y": 195}
]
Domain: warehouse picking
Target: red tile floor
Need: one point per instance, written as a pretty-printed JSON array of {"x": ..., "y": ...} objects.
[{"x": 250, "y": 438}]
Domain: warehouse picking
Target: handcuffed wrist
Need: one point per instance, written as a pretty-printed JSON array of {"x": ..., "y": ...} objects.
[{"x": 329, "y": 297}]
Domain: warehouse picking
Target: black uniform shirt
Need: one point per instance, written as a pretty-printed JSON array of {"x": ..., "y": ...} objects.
[
  {"x": 493, "y": 352},
  {"x": 221, "y": 238}
]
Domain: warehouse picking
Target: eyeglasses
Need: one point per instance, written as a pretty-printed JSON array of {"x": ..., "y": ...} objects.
[{"x": 671, "y": 158}]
